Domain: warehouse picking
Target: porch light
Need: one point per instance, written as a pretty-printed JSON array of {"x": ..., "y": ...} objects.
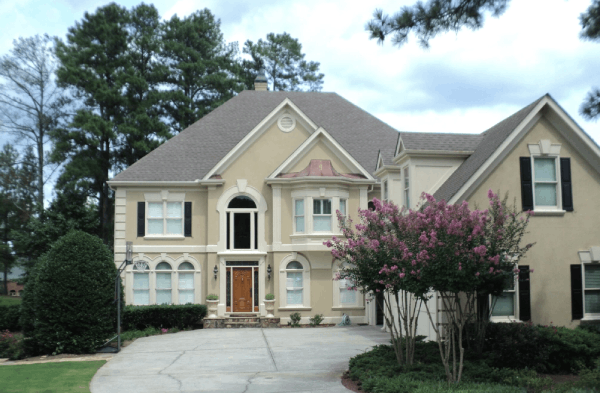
[
  {"x": 216, "y": 271},
  {"x": 269, "y": 271},
  {"x": 129, "y": 253}
]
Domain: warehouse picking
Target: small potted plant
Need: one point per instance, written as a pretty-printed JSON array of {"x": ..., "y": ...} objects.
[
  {"x": 212, "y": 301},
  {"x": 270, "y": 305}
]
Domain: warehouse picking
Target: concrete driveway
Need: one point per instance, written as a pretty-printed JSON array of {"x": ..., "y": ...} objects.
[{"x": 238, "y": 360}]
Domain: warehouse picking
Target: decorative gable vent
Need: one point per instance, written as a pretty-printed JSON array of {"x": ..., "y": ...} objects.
[{"x": 286, "y": 123}]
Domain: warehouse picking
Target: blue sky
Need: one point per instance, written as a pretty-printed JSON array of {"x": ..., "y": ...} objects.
[{"x": 465, "y": 82}]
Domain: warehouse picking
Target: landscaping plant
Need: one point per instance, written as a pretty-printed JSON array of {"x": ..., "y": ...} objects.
[
  {"x": 316, "y": 320},
  {"x": 295, "y": 319},
  {"x": 162, "y": 316}
]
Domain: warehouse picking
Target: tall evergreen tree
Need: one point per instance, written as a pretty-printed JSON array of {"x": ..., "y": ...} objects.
[
  {"x": 590, "y": 22},
  {"x": 281, "y": 57},
  {"x": 31, "y": 104},
  {"x": 203, "y": 71}
]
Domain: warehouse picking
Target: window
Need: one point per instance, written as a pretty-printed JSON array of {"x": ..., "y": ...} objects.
[
  {"x": 141, "y": 288},
  {"x": 343, "y": 207},
  {"x": 163, "y": 283},
  {"x": 242, "y": 224},
  {"x": 545, "y": 184},
  {"x": 406, "y": 189},
  {"x": 322, "y": 215},
  {"x": 344, "y": 293},
  {"x": 299, "y": 215},
  {"x": 186, "y": 283},
  {"x": 505, "y": 304},
  {"x": 165, "y": 218},
  {"x": 384, "y": 190},
  {"x": 347, "y": 292},
  {"x": 591, "y": 299},
  {"x": 294, "y": 283}
]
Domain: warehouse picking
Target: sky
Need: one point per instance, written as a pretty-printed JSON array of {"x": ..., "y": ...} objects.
[{"x": 465, "y": 82}]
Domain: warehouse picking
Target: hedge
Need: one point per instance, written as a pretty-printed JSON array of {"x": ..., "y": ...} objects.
[
  {"x": 9, "y": 317},
  {"x": 163, "y": 316}
]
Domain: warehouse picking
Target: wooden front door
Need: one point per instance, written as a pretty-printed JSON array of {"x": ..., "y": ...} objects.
[{"x": 242, "y": 289}]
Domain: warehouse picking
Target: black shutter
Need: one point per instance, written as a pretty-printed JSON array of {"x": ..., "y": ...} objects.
[
  {"x": 576, "y": 292},
  {"x": 524, "y": 294},
  {"x": 141, "y": 219},
  {"x": 526, "y": 185},
  {"x": 565, "y": 184},
  {"x": 187, "y": 224}
]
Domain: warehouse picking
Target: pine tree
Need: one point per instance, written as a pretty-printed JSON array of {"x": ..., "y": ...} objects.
[{"x": 590, "y": 22}]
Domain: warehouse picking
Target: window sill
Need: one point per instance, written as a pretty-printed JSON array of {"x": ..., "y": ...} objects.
[
  {"x": 549, "y": 212},
  {"x": 232, "y": 253},
  {"x": 504, "y": 320},
  {"x": 343, "y": 308},
  {"x": 294, "y": 308},
  {"x": 167, "y": 237},
  {"x": 324, "y": 235},
  {"x": 591, "y": 318}
]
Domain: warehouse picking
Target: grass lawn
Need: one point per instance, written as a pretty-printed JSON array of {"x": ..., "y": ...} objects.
[
  {"x": 64, "y": 377},
  {"x": 9, "y": 300}
]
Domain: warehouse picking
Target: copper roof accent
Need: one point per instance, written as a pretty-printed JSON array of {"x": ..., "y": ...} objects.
[{"x": 320, "y": 168}]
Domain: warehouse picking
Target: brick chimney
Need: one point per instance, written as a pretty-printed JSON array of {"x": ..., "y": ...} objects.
[{"x": 260, "y": 83}]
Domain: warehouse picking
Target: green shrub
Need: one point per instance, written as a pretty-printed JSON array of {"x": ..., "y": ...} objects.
[
  {"x": 11, "y": 345},
  {"x": 212, "y": 296},
  {"x": 316, "y": 320},
  {"x": 163, "y": 316},
  {"x": 71, "y": 308},
  {"x": 9, "y": 317},
  {"x": 269, "y": 296},
  {"x": 295, "y": 319},
  {"x": 546, "y": 349}
]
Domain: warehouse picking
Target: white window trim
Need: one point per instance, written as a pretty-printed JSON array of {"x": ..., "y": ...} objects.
[
  {"x": 165, "y": 235},
  {"x": 231, "y": 228},
  {"x": 385, "y": 190},
  {"x": 587, "y": 316},
  {"x": 333, "y": 193},
  {"x": 296, "y": 215},
  {"x": 547, "y": 209},
  {"x": 305, "y": 306},
  {"x": 337, "y": 304},
  {"x": 406, "y": 187},
  {"x": 515, "y": 290}
]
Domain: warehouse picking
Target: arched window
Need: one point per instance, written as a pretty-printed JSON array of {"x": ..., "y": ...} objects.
[
  {"x": 185, "y": 272},
  {"x": 163, "y": 283},
  {"x": 242, "y": 224},
  {"x": 294, "y": 283},
  {"x": 345, "y": 294},
  {"x": 141, "y": 287}
]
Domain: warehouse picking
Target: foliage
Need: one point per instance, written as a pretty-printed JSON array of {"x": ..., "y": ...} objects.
[
  {"x": 269, "y": 296},
  {"x": 64, "y": 377},
  {"x": 72, "y": 305},
  {"x": 546, "y": 349},
  {"x": 590, "y": 23},
  {"x": 149, "y": 331},
  {"x": 163, "y": 316},
  {"x": 31, "y": 103},
  {"x": 316, "y": 320},
  {"x": 9, "y": 317},
  {"x": 280, "y": 57},
  {"x": 11, "y": 345},
  {"x": 212, "y": 296},
  {"x": 295, "y": 319},
  {"x": 10, "y": 300}
]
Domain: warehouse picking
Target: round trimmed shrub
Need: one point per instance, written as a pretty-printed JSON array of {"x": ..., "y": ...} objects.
[{"x": 73, "y": 296}]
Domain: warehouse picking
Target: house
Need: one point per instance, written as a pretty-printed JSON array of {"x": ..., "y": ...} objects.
[
  {"x": 239, "y": 204},
  {"x": 14, "y": 288},
  {"x": 544, "y": 160}
]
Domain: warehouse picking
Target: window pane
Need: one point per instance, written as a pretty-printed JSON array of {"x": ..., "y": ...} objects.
[
  {"x": 186, "y": 266},
  {"x": 317, "y": 206},
  {"x": 242, "y": 202},
  {"x": 322, "y": 223},
  {"x": 294, "y": 280},
  {"x": 141, "y": 297},
  {"x": 163, "y": 266},
  {"x": 174, "y": 209},
  {"x": 163, "y": 281},
  {"x": 545, "y": 169},
  {"x": 347, "y": 296},
  {"x": 155, "y": 227},
  {"x": 241, "y": 230},
  {"x": 545, "y": 194},
  {"x": 326, "y": 206},
  {"x": 592, "y": 276},
  {"x": 592, "y": 302},
  {"x": 141, "y": 281},
  {"x": 343, "y": 206},
  {"x": 294, "y": 296},
  {"x": 174, "y": 227},
  {"x": 186, "y": 280},
  {"x": 505, "y": 305},
  {"x": 155, "y": 209},
  {"x": 163, "y": 297},
  {"x": 294, "y": 265},
  {"x": 406, "y": 198},
  {"x": 186, "y": 297},
  {"x": 299, "y": 207},
  {"x": 299, "y": 224}
]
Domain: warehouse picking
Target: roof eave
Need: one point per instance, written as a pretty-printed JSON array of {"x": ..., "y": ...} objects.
[
  {"x": 319, "y": 180},
  {"x": 436, "y": 153},
  {"x": 195, "y": 183}
]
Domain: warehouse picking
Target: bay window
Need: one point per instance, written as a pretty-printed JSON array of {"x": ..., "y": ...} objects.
[
  {"x": 299, "y": 215},
  {"x": 322, "y": 215}
]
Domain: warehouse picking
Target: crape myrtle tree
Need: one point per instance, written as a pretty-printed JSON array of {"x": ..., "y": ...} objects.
[{"x": 454, "y": 251}]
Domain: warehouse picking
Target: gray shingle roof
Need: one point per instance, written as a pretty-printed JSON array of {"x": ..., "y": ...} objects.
[
  {"x": 195, "y": 151},
  {"x": 440, "y": 141},
  {"x": 492, "y": 139}
]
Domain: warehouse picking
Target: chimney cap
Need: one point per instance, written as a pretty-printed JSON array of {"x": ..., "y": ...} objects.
[{"x": 261, "y": 77}]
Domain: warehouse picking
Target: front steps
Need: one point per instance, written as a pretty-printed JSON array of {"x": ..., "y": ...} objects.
[{"x": 234, "y": 321}]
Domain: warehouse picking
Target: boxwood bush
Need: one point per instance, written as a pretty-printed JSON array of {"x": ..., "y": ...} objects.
[
  {"x": 69, "y": 303},
  {"x": 163, "y": 316},
  {"x": 9, "y": 317}
]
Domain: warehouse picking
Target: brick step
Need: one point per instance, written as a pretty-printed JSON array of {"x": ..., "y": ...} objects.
[{"x": 242, "y": 324}]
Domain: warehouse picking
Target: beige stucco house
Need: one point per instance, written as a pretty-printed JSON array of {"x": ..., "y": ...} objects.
[{"x": 239, "y": 203}]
